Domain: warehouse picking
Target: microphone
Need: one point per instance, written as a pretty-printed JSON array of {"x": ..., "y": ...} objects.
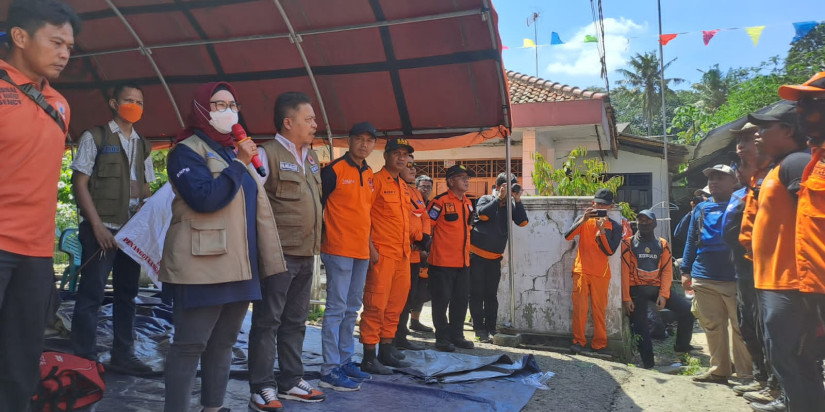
[{"x": 240, "y": 136}]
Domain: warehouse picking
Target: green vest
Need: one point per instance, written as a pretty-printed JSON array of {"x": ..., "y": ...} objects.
[
  {"x": 110, "y": 181},
  {"x": 295, "y": 197}
]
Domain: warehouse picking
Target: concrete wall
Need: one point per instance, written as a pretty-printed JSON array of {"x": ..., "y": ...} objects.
[{"x": 543, "y": 264}]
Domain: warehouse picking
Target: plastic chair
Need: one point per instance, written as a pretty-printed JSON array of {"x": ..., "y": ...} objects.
[{"x": 70, "y": 244}]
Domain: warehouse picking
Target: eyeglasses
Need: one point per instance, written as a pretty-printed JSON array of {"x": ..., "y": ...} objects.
[
  {"x": 222, "y": 106},
  {"x": 411, "y": 164}
]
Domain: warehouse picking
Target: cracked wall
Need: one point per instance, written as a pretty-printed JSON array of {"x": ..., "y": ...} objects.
[{"x": 542, "y": 266}]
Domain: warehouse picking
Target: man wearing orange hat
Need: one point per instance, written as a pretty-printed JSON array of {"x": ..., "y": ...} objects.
[
  {"x": 388, "y": 276},
  {"x": 810, "y": 219}
]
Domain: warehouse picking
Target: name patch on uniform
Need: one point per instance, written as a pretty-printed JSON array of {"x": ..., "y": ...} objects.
[
  {"x": 313, "y": 168},
  {"x": 110, "y": 149},
  {"x": 212, "y": 155},
  {"x": 435, "y": 212},
  {"x": 292, "y": 167}
]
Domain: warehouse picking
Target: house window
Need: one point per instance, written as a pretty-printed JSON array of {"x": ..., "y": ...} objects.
[{"x": 637, "y": 189}]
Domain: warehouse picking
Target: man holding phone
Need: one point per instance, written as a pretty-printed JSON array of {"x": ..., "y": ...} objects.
[
  {"x": 487, "y": 241},
  {"x": 599, "y": 237}
]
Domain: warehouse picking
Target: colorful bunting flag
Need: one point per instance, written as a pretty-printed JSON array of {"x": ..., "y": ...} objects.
[
  {"x": 505, "y": 48},
  {"x": 528, "y": 43},
  {"x": 802, "y": 29},
  {"x": 590, "y": 39},
  {"x": 755, "y": 32},
  {"x": 708, "y": 34},
  {"x": 555, "y": 39},
  {"x": 664, "y": 39}
]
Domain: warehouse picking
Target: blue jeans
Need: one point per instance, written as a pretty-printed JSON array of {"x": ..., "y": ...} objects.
[{"x": 345, "y": 293}]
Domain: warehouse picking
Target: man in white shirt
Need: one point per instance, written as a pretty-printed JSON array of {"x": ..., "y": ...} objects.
[{"x": 112, "y": 171}]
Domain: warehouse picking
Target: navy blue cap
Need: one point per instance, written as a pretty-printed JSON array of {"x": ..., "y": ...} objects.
[{"x": 363, "y": 127}]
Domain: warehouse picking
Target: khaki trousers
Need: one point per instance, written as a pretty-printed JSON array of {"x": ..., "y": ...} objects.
[{"x": 714, "y": 304}]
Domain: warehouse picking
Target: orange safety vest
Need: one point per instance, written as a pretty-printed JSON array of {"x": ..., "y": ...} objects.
[
  {"x": 810, "y": 225},
  {"x": 451, "y": 230}
]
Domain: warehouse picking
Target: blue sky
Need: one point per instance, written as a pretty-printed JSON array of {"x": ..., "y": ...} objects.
[{"x": 631, "y": 26}]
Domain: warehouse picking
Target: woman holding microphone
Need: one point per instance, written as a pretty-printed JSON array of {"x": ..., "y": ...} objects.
[{"x": 221, "y": 240}]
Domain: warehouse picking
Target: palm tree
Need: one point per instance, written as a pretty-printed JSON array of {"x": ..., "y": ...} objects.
[
  {"x": 643, "y": 81},
  {"x": 714, "y": 88}
]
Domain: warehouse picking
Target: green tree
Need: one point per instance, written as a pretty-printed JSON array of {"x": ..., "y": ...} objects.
[
  {"x": 807, "y": 56},
  {"x": 578, "y": 176},
  {"x": 713, "y": 89},
  {"x": 643, "y": 81}
]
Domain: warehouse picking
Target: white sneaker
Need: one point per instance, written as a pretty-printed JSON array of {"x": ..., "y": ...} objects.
[{"x": 302, "y": 392}]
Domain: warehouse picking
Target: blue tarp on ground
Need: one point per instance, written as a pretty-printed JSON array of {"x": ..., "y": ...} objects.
[{"x": 435, "y": 381}]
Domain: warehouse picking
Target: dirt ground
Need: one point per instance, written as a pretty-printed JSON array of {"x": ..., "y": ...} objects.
[{"x": 585, "y": 383}]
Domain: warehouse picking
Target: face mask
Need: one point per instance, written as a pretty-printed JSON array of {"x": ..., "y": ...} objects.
[
  {"x": 223, "y": 121},
  {"x": 131, "y": 112}
]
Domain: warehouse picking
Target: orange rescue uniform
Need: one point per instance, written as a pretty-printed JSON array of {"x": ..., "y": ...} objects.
[
  {"x": 774, "y": 263},
  {"x": 591, "y": 278},
  {"x": 388, "y": 281},
  {"x": 632, "y": 275},
  {"x": 749, "y": 213},
  {"x": 810, "y": 226},
  {"x": 32, "y": 144},
  {"x": 451, "y": 230},
  {"x": 419, "y": 221},
  {"x": 347, "y": 198}
]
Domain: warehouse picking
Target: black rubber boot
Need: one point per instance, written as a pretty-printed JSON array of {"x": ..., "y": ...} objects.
[
  {"x": 404, "y": 343},
  {"x": 385, "y": 355},
  {"x": 371, "y": 365}
]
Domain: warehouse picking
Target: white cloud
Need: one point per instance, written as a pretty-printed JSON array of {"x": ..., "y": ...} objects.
[{"x": 577, "y": 58}]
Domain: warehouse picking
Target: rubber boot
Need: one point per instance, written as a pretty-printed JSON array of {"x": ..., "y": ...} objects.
[
  {"x": 385, "y": 355},
  {"x": 371, "y": 365}
]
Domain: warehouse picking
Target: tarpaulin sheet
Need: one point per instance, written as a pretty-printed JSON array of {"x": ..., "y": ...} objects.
[{"x": 435, "y": 381}]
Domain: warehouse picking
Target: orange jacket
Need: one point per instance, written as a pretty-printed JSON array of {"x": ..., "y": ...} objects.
[
  {"x": 749, "y": 214},
  {"x": 774, "y": 243},
  {"x": 810, "y": 226},
  {"x": 32, "y": 144},
  {"x": 419, "y": 221},
  {"x": 451, "y": 230},
  {"x": 594, "y": 248},
  {"x": 633, "y": 276},
  {"x": 347, "y": 194},
  {"x": 390, "y": 216}
]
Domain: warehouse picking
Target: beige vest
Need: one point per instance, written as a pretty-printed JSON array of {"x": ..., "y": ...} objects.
[
  {"x": 208, "y": 248},
  {"x": 295, "y": 196}
]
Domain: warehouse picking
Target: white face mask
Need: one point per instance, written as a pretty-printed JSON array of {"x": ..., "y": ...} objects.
[{"x": 223, "y": 121}]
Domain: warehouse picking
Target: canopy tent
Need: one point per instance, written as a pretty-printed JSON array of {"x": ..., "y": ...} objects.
[{"x": 423, "y": 69}]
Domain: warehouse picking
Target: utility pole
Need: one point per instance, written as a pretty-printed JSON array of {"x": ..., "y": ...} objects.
[
  {"x": 664, "y": 123},
  {"x": 535, "y": 18}
]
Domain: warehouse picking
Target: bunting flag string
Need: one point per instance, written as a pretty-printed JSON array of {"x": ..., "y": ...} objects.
[
  {"x": 755, "y": 32},
  {"x": 801, "y": 29},
  {"x": 708, "y": 34},
  {"x": 664, "y": 39}
]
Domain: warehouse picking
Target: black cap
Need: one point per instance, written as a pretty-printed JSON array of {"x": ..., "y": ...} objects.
[
  {"x": 456, "y": 170},
  {"x": 397, "y": 143},
  {"x": 649, "y": 213},
  {"x": 784, "y": 112},
  {"x": 604, "y": 196},
  {"x": 363, "y": 127}
]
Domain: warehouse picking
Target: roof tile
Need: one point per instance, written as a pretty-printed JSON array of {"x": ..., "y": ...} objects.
[{"x": 531, "y": 89}]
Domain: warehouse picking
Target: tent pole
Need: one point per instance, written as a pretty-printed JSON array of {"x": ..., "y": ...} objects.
[
  {"x": 505, "y": 107},
  {"x": 296, "y": 40},
  {"x": 148, "y": 53}
]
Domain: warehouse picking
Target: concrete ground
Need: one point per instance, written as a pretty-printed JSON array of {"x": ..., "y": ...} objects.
[{"x": 584, "y": 383}]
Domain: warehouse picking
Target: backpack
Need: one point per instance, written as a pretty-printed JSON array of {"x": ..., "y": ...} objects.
[
  {"x": 67, "y": 382},
  {"x": 710, "y": 227}
]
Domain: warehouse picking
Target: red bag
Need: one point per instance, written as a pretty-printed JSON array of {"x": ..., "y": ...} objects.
[{"x": 67, "y": 382}]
